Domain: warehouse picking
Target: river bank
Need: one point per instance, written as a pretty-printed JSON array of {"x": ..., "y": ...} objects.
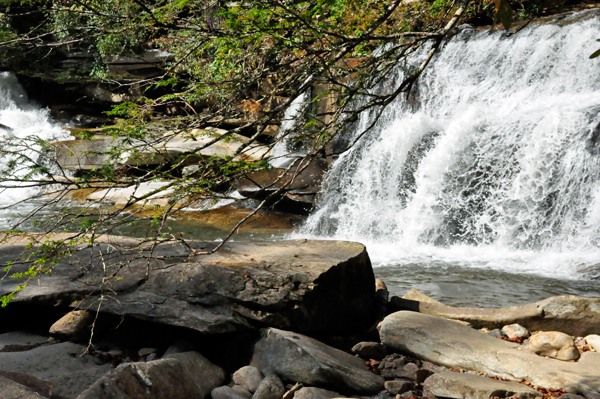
[{"x": 276, "y": 320}]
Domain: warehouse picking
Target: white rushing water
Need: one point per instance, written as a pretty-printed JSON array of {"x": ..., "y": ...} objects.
[
  {"x": 26, "y": 120},
  {"x": 494, "y": 168}
]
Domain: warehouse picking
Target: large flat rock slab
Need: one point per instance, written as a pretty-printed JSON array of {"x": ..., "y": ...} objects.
[
  {"x": 304, "y": 285},
  {"x": 570, "y": 314},
  {"x": 452, "y": 344},
  {"x": 92, "y": 154},
  {"x": 461, "y": 385}
]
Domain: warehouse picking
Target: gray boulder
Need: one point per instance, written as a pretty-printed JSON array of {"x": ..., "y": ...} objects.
[
  {"x": 249, "y": 377},
  {"x": 61, "y": 364},
  {"x": 450, "y": 344},
  {"x": 12, "y": 390},
  {"x": 297, "y": 188},
  {"x": 227, "y": 392},
  {"x": 182, "y": 375},
  {"x": 270, "y": 387},
  {"x": 242, "y": 391},
  {"x": 570, "y": 314},
  {"x": 32, "y": 383},
  {"x": 458, "y": 386},
  {"x": 553, "y": 344},
  {"x": 303, "y": 285},
  {"x": 370, "y": 350},
  {"x": 299, "y": 358},
  {"x": 397, "y": 387},
  {"x": 315, "y": 393}
]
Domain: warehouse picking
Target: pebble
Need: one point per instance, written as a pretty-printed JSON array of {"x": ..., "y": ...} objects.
[{"x": 515, "y": 331}]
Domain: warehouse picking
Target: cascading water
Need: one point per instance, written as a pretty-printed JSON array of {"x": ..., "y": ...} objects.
[
  {"x": 25, "y": 120},
  {"x": 496, "y": 168}
]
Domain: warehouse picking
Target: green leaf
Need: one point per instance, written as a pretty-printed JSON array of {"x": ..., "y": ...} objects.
[{"x": 595, "y": 54}]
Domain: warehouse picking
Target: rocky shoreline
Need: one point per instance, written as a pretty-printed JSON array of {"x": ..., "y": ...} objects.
[{"x": 270, "y": 320}]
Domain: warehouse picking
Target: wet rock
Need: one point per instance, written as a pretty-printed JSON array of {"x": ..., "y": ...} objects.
[
  {"x": 299, "y": 358},
  {"x": 515, "y": 331},
  {"x": 270, "y": 387},
  {"x": 183, "y": 375},
  {"x": 16, "y": 341},
  {"x": 72, "y": 326},
  {"x": 370, "y": 350},
  {"x": 303, "y": 285},
  {"x": 316, "y": 393},
  {"x": 570, "y": 314},
  {"x": 249, "y": 377},
  {"x": 396, "y": 387},
  {"x": 593, "y": 340},
  {"x": 12, "y": 390},
  {"x": 299, "y": 186},
  {"x": 450, "y": 344},
  {"x": 553, "y": 344},
  {"x": 61, "y": 364},
  {"x": 458, "y": 385}
]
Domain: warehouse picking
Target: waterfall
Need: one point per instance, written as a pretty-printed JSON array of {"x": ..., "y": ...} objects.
[
  {"x": 25, "y": 119},
  {"x": 496, "y": 165}
]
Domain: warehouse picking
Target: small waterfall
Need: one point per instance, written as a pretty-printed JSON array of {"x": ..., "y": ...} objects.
[
  {"x": 496, "y": 166},
  {"x": 283, "y": 151},
  {"x": 25, "y": 120}
]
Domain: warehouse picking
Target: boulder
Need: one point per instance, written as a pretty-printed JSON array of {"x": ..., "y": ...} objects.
[
  {"x": 16, "y": 341},
  {"x": 270, "y": 387},
  {"x": 515, "y": 331},
  {"x": 32, "y": 383},
  {"x": 74, "y": 325},
  {"x": 315, "y": 393},
  {"x": 553, "y": 344},
  {"x": 183, "y": 375},
  {"x": 299, "y": 284},
  {"x": 249, "y": 377},
  {"x": 242, "y": 391},
  {"x": 593, "y": 340},
  {"x": 458, "y": 385},
  {"x": 299, "y": 186},
  {"x": 451, "y": 344},
  {"x": 573, "y": 315},
  {"x": 302, "y": 359},
  {"x": 61, "y": 364},
  {"x": 13, "y": 390},
  {"x": 370, "y": 350},
  {"x": 397, "y": 387},
  {"x": 226, "y": 392}
]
